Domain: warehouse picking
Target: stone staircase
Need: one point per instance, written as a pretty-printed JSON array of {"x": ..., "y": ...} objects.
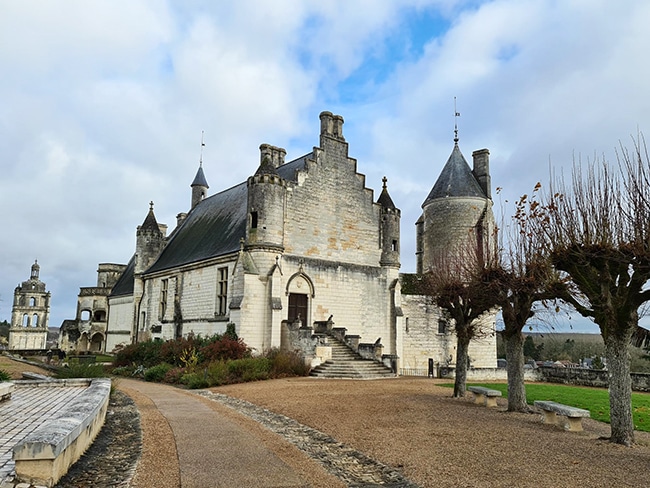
[{"x": 347, "y": 364}]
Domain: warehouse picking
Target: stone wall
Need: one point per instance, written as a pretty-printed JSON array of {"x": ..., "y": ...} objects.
[
  {"x": 422, "y": 340},
  {"x": 589, "y": 377}
]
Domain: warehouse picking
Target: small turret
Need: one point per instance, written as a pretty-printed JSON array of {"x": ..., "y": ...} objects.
[
  {"x": 389, "y": 231},
  {"x": 150, "y": 240},
  {"x": 199, "y": 186}
]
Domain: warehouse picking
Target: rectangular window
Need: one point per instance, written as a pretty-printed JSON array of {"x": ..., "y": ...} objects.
[
  {"x": 222, "y": 291},
  {"x": 164, "y": 288},
  {"x": 442, "y": 326}
]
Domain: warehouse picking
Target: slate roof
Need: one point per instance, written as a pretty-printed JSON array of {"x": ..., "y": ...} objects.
[
  {"x": 384, "y": 199},
  {"x": 455, "y": 180},
  {"x": 199, "y": 179},
  {"x": 212, "y": 228},
  {"x": 124, "y": 285}
]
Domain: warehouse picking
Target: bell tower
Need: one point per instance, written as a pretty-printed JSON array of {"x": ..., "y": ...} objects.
[{"x": 30, "y": 313}]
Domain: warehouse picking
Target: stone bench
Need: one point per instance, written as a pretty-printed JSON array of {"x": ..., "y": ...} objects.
[
  {"x": 46, "y": 454},
  {"x": 573, "y": 414},
  {"x": 485, "y": 396}
]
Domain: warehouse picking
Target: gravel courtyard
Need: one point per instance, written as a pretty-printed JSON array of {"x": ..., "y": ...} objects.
[{"x": 437, "y": 441}]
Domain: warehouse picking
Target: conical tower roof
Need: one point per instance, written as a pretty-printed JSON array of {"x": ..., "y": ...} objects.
[
  {"x": 199, "y": 179},
  {"x": 456, "y": 180},
  {"x": 150, "y": 222},
  {"x": 384, "y": 199}
]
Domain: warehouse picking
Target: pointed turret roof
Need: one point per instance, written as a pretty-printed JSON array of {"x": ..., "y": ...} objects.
[
  {"x": 150, "y": 222},
  {"x": 384, "y": 199},
  {"x": 199, "y": 179},
  {"x": 456, "y": 180}
]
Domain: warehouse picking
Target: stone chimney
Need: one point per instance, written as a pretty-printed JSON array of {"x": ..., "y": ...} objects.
[
  {"x": 481, "y": 170},
  {"x": 331, "y": 125},
  {"x": 275, "y": 155}
]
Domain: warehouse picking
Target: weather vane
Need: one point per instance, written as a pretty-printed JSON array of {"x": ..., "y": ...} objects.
[
  {"x": 202, "y": 146},
  {"x": 456, "y": 115}
]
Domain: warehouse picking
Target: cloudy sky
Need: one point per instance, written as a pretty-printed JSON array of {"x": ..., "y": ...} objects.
[{"x": 102, "y": 104}]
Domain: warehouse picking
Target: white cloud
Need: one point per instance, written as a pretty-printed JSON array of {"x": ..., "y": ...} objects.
[{"x": 103, "y": 105}]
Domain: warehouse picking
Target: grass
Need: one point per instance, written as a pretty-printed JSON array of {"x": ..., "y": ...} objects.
[{"x": 596, "y": 400}]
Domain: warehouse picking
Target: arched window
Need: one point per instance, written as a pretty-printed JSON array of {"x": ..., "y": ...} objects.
[
  {"x": 35, "y": 320},
  {"x": 32, "y": 302},
  {"x": 25, "y": 320}
]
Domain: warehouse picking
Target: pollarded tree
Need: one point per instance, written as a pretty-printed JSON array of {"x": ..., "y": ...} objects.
[
  {"x": 597, "y": 232},
  {"x": 454, "y": 283},
  {"x": 520, "y": 276}
]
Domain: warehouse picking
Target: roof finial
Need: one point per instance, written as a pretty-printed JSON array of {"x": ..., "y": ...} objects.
[
  {"x": 202, "y": 146},
  {"x": 151, "y": 205},
  {"x": 456, "y": 115},
  {"x": 384, "y": 180}
]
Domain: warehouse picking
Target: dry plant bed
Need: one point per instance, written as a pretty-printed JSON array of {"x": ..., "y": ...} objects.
[{"x": 438, "y": 441}]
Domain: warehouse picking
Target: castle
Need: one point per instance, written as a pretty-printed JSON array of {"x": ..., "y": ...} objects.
[{"x": 300, "y": 247}]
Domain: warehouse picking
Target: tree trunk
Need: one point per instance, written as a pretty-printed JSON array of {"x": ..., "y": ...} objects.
[
  {"x": 462, "y": 358},
  {"x": 515, "y": 359},
  {"x": 620, "y": 389}
]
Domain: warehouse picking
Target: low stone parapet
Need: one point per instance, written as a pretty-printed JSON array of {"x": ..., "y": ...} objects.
[
  {"x": 46, "y": 454},
  {"x": 6, "y": 388}
]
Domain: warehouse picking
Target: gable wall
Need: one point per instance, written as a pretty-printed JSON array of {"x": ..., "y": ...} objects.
[{"x": 331, "y": 215}]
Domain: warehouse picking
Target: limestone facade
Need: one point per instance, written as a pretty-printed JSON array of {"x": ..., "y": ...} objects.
[
  {"x": 30, "y": 313},
  {"x": 299, "y": 243}
]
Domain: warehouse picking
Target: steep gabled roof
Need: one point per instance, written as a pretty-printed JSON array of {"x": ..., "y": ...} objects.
[
  {"x": 455, "y": 180},
  {"x": 213, "y": 228},
  {"x": 124, "y": 285}
]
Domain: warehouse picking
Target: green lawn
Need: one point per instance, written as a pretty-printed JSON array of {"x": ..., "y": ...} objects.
[{"x": 596, "y": 400}]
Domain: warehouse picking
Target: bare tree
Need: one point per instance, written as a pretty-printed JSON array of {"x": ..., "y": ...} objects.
[
  {"x": 454, "y": 283},
  {"x": 597, "y": 233},
  {"x": 519, "y": 276}
]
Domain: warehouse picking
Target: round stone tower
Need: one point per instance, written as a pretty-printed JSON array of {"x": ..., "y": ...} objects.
[
  {"x": 457, "y": 211},
  {"x": 266, "y": 202}
]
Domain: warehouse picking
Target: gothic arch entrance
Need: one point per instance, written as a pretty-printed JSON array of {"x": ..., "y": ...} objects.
[{"x": 300, "y": 289}]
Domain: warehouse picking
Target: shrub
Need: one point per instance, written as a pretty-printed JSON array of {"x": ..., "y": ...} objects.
[
  {"x": 249, "y": 369},
  {"x": 286, "y": 363},
  {"x": 123, "y": 370},
  {"x": 218, "y": 373},
  {"x": 194, "y": 380},
  {"x": 158, "y": 372},
  {"x": 81, "y": 371},
  {"x": 172, "y": 352},
  {"x": 146, "y": 354},
  {"x": 225, "y": 349},
  {"x": 4, "y": 375},
  {"x": 174, "y": 375}
]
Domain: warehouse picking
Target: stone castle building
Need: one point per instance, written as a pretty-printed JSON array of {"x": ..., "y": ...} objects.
[
  {"x": 87, "y": 332},
  {"x": 30, "y": 313},
  {"x": 300, "y": 247}
]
